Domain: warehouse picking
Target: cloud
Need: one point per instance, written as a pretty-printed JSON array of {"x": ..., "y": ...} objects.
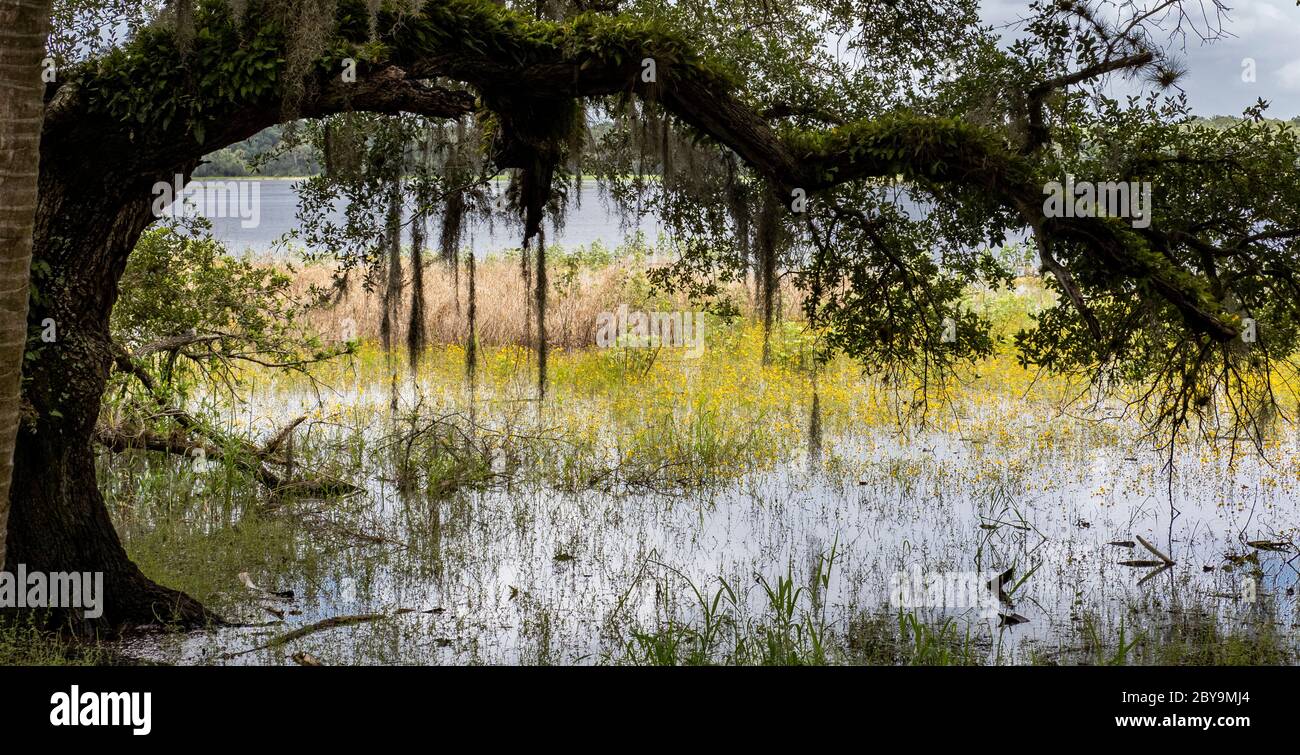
[
  {"x": 1264, "y": 30},
  {"x": 1289, "y": 76}
]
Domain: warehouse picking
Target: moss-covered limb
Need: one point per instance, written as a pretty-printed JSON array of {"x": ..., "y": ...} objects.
[
  {"x": 597, "y": 55},
  {"x": 951, "y": 151},
  {"x": 530, "y": 72},
  {"x": 388, "y": 89},
  {"x": 912, "y": 146},
  {"x": 477, "y": 39},
  {"x": 151, "y": 108},
  {"x": 523, "y": 68}
]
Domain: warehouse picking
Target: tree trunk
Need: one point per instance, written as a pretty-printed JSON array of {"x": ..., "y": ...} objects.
[
  {"x": 23, "y": 28},
  {"x": 93, "y": 198},
  {"x": 84, "y": 231},
  {"x": 59, "y": 523}
]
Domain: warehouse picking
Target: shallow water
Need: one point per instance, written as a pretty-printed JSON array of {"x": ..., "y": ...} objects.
[{"x": 486, "y": 563}]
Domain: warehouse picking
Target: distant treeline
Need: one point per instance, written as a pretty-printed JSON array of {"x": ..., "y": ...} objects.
[
  {"x": 1225, "y": 121},
  {"x": 262, "y": 154}
]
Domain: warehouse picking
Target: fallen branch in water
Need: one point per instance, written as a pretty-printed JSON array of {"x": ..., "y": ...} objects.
[
  {"x": 1157, "y": 567},
  {"x": 1155, "y": 572},
  {"x": 1167, "y": 560},
  {"x": 1279, "y": 546},
  {"x": 273, "y": 445},
  {"x": 128, "y": 437},
  {"x": 320, "y": 626},
  {"x": 197, "y": 437}
]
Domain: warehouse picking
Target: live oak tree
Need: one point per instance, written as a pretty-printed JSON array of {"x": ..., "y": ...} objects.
[{"x": 768, "y": 147}]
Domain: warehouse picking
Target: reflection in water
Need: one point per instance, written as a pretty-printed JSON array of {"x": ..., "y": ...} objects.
[{"x": 532, "y": 574}]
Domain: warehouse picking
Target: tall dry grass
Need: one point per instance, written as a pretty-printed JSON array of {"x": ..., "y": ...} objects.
[{"x": 575, "y": 300}]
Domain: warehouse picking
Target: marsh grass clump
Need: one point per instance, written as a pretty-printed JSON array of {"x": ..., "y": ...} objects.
[
  {"x": 24, "y": 643},
  {"x": 906, "y": 638},
  {"x": 789, "y": 628},
  {"x": 1201, "y": 637}
]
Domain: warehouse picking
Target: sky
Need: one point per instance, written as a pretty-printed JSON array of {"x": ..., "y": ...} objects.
[{"x": 1267, "y": 31}]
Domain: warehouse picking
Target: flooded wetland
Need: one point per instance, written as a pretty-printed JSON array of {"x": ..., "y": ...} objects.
[{"x": 657, "y": 508}]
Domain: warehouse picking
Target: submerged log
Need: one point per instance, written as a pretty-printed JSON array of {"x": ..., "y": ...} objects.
[{"x": 127, "y": 438}]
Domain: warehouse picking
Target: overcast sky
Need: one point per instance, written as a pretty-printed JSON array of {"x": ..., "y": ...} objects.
[{"x": 1266, "y": 30}]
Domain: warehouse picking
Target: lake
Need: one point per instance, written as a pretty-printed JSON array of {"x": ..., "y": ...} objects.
[{"x": 592, "y": 219}]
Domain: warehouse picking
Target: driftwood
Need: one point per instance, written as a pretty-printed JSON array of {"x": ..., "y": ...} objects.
[
  {"x": 306, "y": 659},
  {"x": 1280, "y": 546},
  {"x": 300, "y": 632},
  {"x": 1156, "y": 572},
  {"x": 320, "y": 626},
  {"x": 330, "y": 623},
  {"x": 1165, "y": 559},
  {"x": 1157, "y": 567}
]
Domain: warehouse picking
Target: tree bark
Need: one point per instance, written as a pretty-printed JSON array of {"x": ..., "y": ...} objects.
[
  {"x": 58, "y": 522},
  {"x": 24, "y": 25},
  {"x": 93, "y": 200}
]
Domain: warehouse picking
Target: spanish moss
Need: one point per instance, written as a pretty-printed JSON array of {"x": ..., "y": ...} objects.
[
  {"x": 393, "y": 285},
  {"x": 540, "y": 298},
  {"x": 769, "y": 221},
  {"x": 416, "y": 336},
  {"x": 471, "y": 318}
]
